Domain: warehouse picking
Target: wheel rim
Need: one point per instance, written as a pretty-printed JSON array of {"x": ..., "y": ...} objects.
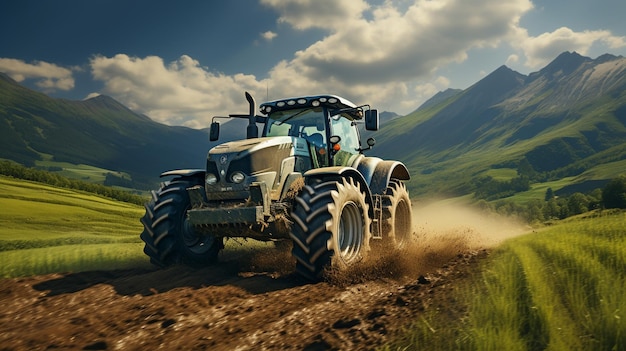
[
  {"x": 350, "y": 232},
  {"x": 402, "y": 223},
  {"x": 198, "y": 244}
]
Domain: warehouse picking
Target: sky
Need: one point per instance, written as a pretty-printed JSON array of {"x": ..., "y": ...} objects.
[{"x": 183, "y": 62}]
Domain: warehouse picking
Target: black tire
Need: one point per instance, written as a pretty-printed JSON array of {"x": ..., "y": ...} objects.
[
  {"x": 397, "y": 215},
  {"x": 330, "y": 228},
  {"x": 168, "y": 237}
]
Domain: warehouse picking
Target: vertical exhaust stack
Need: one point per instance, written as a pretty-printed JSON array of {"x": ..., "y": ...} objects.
[{"x": 252, "y": 131}]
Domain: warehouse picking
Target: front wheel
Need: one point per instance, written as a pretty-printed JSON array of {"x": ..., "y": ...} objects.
[
  {"x": 167, "y": 234},
  {"x": 331, "y": 227}
]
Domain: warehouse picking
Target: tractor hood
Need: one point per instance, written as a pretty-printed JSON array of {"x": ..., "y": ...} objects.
[
  {"x": 264, "y": 160},
  {"x": 250, "y": 145}
]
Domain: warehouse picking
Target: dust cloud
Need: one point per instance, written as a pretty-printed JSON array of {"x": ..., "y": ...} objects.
[
  {"x": 442, "y": 232},
  {"x": 444, "y": 222}
]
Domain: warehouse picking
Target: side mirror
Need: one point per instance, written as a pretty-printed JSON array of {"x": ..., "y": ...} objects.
[
  {"x": 214, "y": 132},
  {"x": 370, "y": 144},
  {"x": 371, "y": 119}
]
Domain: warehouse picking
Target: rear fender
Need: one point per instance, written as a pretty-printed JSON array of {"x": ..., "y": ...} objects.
[
  {"x": 333, "y": 172},
  {"x": 378, "y": 172}
]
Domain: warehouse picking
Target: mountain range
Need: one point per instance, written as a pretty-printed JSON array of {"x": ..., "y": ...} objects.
[{"x": 568, "y": 120}]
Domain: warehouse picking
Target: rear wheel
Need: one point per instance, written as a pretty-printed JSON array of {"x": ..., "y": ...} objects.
[
  {"x": 331, "y": 227},
  {"x": 397, "y": 215},
  {"x": 167, "y": 234}
]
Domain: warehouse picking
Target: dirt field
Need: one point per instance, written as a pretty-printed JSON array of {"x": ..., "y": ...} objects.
[{"x": 249, "y": 302}]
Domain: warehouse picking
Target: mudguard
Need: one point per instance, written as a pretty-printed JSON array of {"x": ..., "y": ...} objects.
[
  {"x": 344, "y": 171},
  {"x": 377, "y": 172}
]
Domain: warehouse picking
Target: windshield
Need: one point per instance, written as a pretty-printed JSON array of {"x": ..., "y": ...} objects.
[{"x": 298, "y": 122}]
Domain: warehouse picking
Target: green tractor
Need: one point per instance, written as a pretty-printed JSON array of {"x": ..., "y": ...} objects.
[{"x": 305, "y": 181}]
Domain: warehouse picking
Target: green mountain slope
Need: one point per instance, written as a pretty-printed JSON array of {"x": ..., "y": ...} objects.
[
  {"x": 564, "y": 119},
  {"x": 98, "y": 131}
]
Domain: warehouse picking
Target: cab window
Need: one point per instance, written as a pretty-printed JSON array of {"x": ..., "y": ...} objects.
[
  {"x": 306, "y": 123},
  {"x": 343, "y": 127},
  {"x": 295, "y": 122}
]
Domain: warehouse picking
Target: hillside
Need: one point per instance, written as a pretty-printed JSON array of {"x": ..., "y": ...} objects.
[
  {"x": 99, "y": 131},
  {"x": 565, "y": 119}
]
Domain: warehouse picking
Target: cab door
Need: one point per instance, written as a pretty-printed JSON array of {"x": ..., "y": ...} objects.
[{"x": 349, "y": 145}]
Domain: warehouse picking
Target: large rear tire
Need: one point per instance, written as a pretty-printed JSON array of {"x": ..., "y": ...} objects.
[
  {"x": 168, "y": 236},
  {"x": 331, "y": 227},
  {"x": 397, "y": 215}
]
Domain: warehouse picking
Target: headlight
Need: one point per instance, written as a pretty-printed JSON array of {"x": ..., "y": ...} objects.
[
  {"x": 237, "y": 177},
  {"x": 210, "y": 179}
]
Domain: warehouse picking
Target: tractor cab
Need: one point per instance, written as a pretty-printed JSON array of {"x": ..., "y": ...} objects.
[{"x": 328, "y": 123}]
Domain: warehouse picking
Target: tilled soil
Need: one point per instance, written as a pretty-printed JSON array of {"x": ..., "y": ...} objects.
[{"x": 251, "y": 302}]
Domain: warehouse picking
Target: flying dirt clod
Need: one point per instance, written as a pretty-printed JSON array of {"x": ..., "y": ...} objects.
[{"x": 304, "y": 181}]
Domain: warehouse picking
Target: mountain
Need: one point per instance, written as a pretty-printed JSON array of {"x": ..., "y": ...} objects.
[
  {"x": 439, "y": 98},
  {"x": 99, "y": 132},
  {"x": 566, "y": 120}
]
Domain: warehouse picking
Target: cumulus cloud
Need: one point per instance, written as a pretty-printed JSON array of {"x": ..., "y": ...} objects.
[
  {"x": 177, "y": 93},
  {"x": 48, "y": 76},
  {"x": 384, "y": 56},
  {"x": 325, "y": 14},
  {"x": 543, "y": 48},
  {"x": 512, "y": 59},
  {"x": 388, "y": 55},
  {"x": 269, "y": 35}
]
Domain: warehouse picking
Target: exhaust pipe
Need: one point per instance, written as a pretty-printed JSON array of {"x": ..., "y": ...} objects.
[{"x": 252, "y": 131}]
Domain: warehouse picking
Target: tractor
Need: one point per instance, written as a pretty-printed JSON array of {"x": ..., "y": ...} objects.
[{"x": 305, "y": 181}]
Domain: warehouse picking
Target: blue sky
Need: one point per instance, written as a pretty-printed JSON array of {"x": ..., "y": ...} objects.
[{"x": 183, "y": 62}]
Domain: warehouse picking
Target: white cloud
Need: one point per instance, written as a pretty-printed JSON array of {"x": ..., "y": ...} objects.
[
  {"x": 179, "y": 93},
  {"x": 269, "y": 35},
  {"x": 386, "y": 56},
  {"x": 47, "y": 75},
  {"x": 543, "y": 48},
  {"x": 92, "y": 95},
  {"x": 512, "y": 59},
  {"x": 306, "y": 14},
  {"x": 383, "y": 58}
]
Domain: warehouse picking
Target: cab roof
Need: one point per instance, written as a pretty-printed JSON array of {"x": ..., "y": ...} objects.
[{"x": 330, "y": 101}]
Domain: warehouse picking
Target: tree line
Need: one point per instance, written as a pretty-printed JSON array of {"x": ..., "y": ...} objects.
[
  {"x": 553, "y": 207},
  {"x": 18, "y": 171}
]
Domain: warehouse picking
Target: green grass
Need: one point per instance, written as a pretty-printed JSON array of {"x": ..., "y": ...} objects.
[
  {"x": 501, "y": 174},
  {"x": 44, "y": 229},
  {"x": 561, "y": 288},
  {"x": 538, "y": 190},
  {"x": 72, "y": 258},
  {"x": 83, "y": 172},
  {"x": 608, "y": 170}
]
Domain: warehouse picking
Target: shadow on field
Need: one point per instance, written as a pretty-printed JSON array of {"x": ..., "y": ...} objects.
[{"x": 256, "y": 271}]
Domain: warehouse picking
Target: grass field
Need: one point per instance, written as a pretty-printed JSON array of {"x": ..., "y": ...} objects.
[
  {"x": 44, "y": 229},
  {"x": 561, "y": 288},
  {"x": 83, "y": 172}
]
